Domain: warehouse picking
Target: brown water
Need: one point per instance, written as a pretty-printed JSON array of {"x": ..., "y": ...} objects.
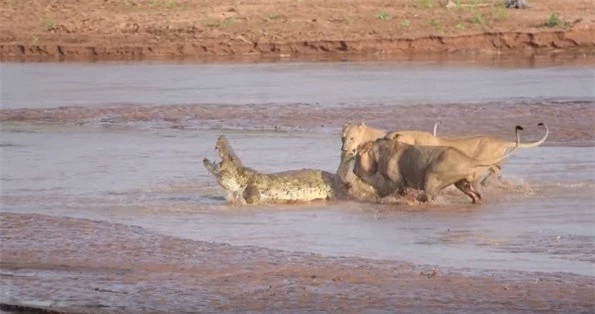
[{"x": 138, "y": 165}]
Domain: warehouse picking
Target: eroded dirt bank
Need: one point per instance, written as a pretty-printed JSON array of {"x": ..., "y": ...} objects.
[
  {"x": 133, "y": 29},
  {"x": 87, "y": 266}
]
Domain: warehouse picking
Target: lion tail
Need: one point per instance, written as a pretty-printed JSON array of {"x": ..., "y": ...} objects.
[
  {"x": 498, "y": 160},
  {"x": 535, "y": 144},
  {"x": 436, "y": 127}
]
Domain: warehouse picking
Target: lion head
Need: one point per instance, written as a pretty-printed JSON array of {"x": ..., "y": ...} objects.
[{"x": 352, "y": 136}]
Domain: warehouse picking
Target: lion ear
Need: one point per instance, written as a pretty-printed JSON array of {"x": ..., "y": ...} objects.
[
  {"x": 393, "y": 136},
  {"x": 361, "y": 125},
  {"x": 345, "y": 127}
]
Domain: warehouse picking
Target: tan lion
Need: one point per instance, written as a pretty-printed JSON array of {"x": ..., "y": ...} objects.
[
  {"x": 481, "y": 147},
  {"x": 390, "y": 165},
  {"x": 353, "y": 135}
]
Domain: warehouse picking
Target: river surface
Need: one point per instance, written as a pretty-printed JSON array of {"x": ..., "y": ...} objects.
[
  {"x": 52, "y": 85},
  {"x": 72, "y": 146}
]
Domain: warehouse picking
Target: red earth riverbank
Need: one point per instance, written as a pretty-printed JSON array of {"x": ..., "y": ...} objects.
[{"x": 136, "y": 29}]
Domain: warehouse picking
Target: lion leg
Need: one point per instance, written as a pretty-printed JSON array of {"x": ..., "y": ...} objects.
[
  {"x": 494, "y": 170},
  {"x": 474, "y": 191},
  {"x": 465, "y": 187},
  {"x": 431, "y": 187},
  {"x": 382, "y": 186}
]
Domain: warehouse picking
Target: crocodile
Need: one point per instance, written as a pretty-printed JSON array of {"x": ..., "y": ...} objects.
[{"x": 248, "y": 186}]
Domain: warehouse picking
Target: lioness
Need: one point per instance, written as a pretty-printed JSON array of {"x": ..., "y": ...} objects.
[
  {"x": 481, "y": 147},
  {"x": 390, "y": 165},
  {"x": 353, "y": 135}
]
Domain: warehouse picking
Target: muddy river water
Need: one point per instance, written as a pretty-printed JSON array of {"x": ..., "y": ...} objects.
[{"x": 101, "y": 170}]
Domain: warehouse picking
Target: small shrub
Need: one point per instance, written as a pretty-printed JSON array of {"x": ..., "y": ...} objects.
[
  {"x": 477, "y": 18},
  {"x": 498, "y": 14},
  {"x": 48, "y": 22},
  {"x": 212, "y": 23},
  {"x": 273, "y": 16},
  {"x": 458, "y": 6},
  {"x": 383, "y": 15},
  {"x": 437, "y": 25},
  {"x": 425, "y": 4},
  {"x": 170, "y": 4},
  {"x": 229, "y": 21},
  {"x": 460, "y": 26},
  {"x": 405, "y": 23},
  {"x": 553, "y": 20},
  {"x": 347, "y": 20}
]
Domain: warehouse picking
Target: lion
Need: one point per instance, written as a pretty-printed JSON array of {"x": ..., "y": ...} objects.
[
  {"x": 390, "y": 165},
  {"x": 480, "y": 147},
  {"x": 353, "y": 135}
]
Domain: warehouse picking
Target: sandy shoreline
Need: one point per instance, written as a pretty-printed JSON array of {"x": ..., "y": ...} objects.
[
  {"x": 109, "y": 267},
  {"x": 570, "y": 121}
]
